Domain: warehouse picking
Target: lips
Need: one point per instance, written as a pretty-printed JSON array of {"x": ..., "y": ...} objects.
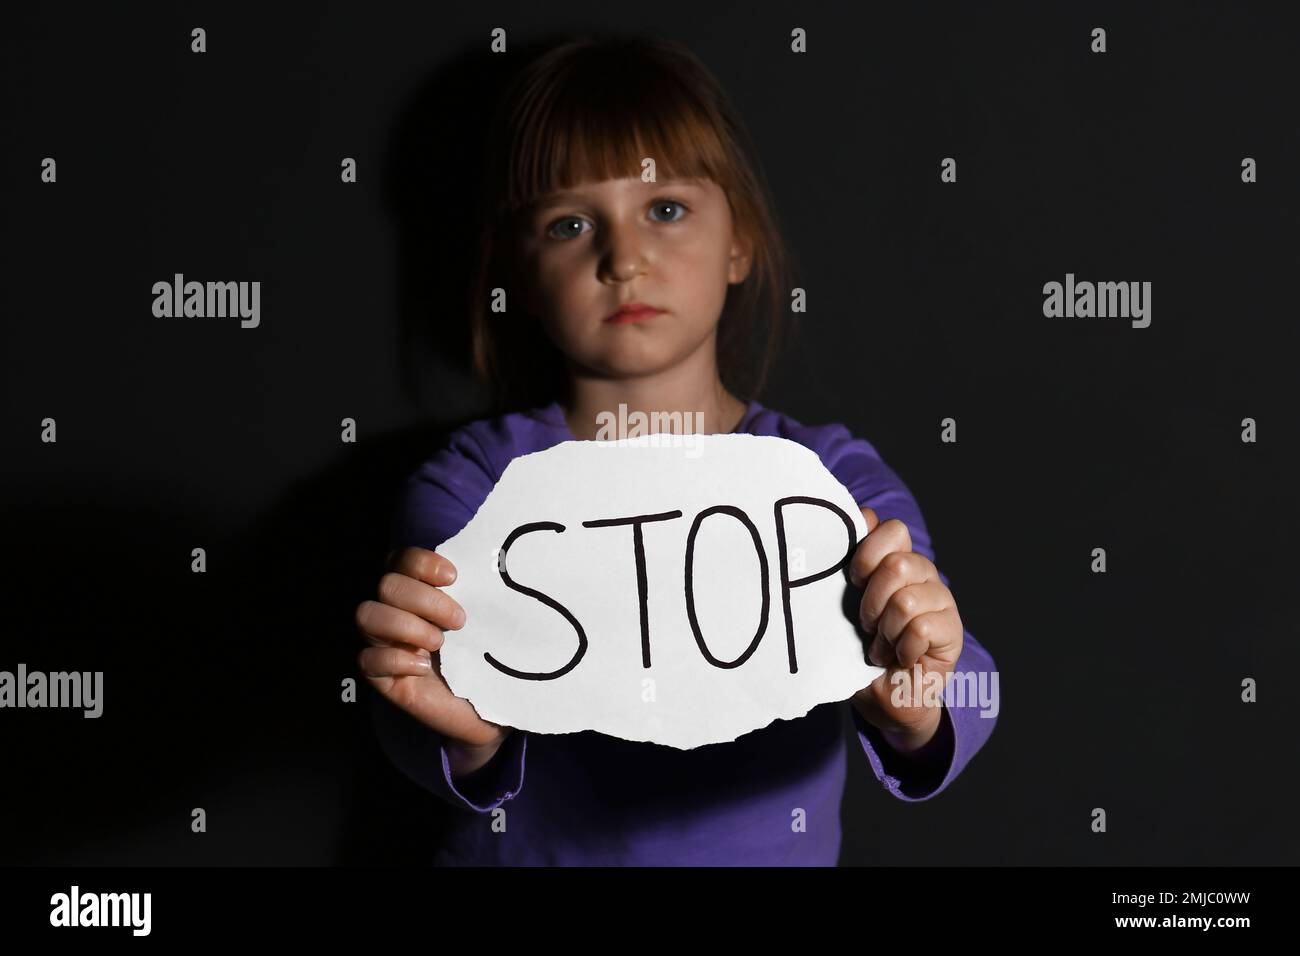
[{"x": 633, "y": 312}]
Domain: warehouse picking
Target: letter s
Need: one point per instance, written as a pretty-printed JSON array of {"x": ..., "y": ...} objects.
[{"x": 545, "y": 599}]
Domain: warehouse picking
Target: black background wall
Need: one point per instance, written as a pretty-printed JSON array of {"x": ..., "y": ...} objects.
[{"x": 1120, "y": 690}]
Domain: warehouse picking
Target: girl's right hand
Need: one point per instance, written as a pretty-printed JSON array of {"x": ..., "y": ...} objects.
[{"x": 405, "y": 630}]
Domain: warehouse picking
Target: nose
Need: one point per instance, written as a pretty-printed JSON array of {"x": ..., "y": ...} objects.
[{"x": 623, "y": 257}]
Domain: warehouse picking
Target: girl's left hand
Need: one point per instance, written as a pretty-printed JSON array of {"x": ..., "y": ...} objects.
[{"x": 912, "y": 620}]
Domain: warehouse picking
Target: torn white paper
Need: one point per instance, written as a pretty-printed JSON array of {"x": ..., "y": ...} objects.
[{"x": 681, "y": 590}]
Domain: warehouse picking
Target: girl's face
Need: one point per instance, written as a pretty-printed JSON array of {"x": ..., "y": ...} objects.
[{"x": 583, "y": 253}]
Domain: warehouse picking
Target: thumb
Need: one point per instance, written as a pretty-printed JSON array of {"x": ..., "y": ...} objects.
[{"x": 871, "y": 518}]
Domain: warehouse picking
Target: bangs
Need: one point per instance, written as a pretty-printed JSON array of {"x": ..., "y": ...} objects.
[
  {"x": 590, "y": 110},
  {"x": 599, "y": 118}
]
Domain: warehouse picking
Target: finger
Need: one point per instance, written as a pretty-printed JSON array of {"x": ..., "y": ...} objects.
[
  {"x": 423, "y": 565},
  {"x": 918, "y": 636},
  {"x": 889, "y": 536},
  {"x": 869, "y": 699},
  {"x": 889, "y": 698},
  {"x": 423, "y": 600},
  {"x": 380, "y": 662},
  {"x": 872, "y": 519},
  {"x": 943, "y": 635},
  {"x": 384, "y": 642},
  {"x": 908, "y": 602},
  {"x": 394, "y": 625},
  {"x": 431, "y": 702},
  {"x": 881, "y": 652},
  {"x": 885, "y": 695},
  {"x": 896, "y": 570}
]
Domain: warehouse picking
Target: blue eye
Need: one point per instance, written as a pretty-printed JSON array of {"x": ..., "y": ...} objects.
[
  {"x": 563, "y": 228},
  {"x": 567, "y": 233},
  {"x": 661, "y": 203}
]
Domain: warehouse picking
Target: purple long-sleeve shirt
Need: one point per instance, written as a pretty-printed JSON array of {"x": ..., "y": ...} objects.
[{"x": 771, "y": 797}]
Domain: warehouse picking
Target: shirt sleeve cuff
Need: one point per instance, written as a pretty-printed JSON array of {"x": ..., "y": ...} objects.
[
  {"x": 970, "y": 710},
  {"x": 418, "y": 752},
  {"x": 910, "y": 777},
  {"x": 492, "y": 784}
]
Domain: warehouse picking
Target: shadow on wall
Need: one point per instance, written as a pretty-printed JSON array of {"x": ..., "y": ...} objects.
[
  {"x": 222, "y": 690},
  {"x": 432, "y": 182}
]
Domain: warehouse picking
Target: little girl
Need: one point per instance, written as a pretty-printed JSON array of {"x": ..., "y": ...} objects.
[{"x": 630, "y": 255}]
